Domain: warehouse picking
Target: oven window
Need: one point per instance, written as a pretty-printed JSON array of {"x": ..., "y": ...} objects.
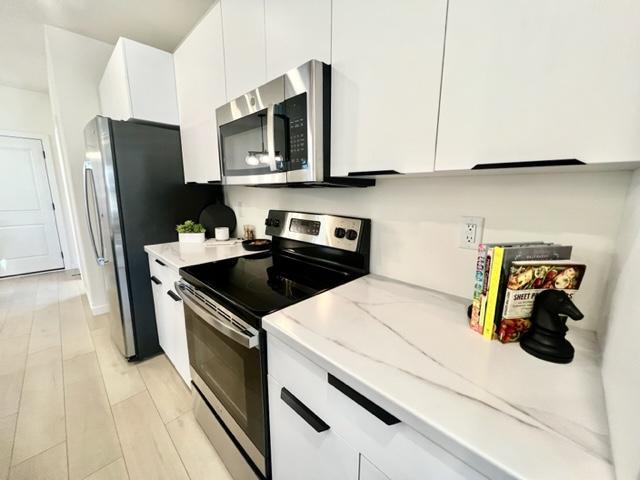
[
  {"x": 232, "y": 372},
  {"x": 244, "y": 147}
]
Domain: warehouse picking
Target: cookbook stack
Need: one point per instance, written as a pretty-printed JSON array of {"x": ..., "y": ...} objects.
[{"x": 508, "y": 278}]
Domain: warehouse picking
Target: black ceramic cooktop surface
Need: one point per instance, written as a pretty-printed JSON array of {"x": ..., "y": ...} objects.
[{"x": 263, "y": 283}]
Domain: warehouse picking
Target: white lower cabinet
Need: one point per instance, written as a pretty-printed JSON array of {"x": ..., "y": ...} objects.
[
  {"x": 302, "y": 444},
  {"x": 172, "y": 331},
  {"x": 360, "y": 433},
  {"x": 368, "y": 471}
]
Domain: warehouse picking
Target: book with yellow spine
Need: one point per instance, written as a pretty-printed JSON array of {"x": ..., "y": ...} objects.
[{"x": 492, "y": 292}]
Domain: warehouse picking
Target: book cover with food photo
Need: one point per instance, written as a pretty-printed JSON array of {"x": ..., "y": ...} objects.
[
  {"x": 526, "y": 280},
  {"x": 481, "y": 284}
]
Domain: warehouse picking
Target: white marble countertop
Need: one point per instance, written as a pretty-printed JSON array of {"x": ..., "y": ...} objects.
[
  {"x": 177, "y": 255},
  {"x": 508, "y": 414}
]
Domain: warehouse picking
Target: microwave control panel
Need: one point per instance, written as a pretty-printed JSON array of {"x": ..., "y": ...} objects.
[{"x": 295, "y": 110}]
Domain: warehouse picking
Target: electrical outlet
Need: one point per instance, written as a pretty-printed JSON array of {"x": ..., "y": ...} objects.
[{"x": 471, "y": 232}]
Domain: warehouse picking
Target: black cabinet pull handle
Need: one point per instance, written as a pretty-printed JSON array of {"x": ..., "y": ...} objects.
[
  {"x": 175, "y": 297},
  {"x": 305, "y": 412},
  {"x": 155, "y": 280},
  {"x": 363, "y": 401},
  {"x": 160, "y": 263},
  {"x": 368, "y": 173},
  {"x": 533, "y": 163}
]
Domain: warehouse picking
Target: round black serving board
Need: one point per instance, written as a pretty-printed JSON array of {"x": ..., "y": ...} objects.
[
  {"x": 251, "y": 245},
  {"x": 217, "y": 215}
]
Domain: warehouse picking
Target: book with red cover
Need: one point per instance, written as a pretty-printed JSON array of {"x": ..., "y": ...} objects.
[{"x": 526, "y": 280}]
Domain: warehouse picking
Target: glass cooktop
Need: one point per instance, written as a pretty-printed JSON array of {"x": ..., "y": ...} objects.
[{"x": 263, "y": 283}]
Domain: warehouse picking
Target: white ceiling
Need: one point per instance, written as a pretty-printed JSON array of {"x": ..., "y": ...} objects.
[{"x": 161, "y": 23}]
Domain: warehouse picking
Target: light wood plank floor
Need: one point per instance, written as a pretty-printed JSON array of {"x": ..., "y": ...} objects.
[{"x": 71, "y": 407}]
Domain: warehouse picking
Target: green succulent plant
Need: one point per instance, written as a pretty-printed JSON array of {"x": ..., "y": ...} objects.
[{"x": 190, "y": 227}]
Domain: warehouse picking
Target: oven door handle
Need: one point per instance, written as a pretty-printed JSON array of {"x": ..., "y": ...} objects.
[{"x": 247, "y": 341}]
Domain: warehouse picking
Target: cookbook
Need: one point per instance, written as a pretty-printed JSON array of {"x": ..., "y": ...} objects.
[{"x": 527, "y": 279}]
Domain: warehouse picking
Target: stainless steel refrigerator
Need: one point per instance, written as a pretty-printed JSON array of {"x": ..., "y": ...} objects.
[{"x": 135, "y": 195}]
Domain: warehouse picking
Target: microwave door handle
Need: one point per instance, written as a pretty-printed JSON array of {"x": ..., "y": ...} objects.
[
  {"x": 271, "y": 136},
  {"x": 88, "y": 177},
  {"x": 247, "y": 341}
]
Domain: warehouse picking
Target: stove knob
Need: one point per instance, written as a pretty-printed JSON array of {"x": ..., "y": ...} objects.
[
  {"x": 268, "y": 222},
  {"x": 339, "y": 232},
  {"x": 352, "y": 234},
  {"x": 275, "y": 222}
]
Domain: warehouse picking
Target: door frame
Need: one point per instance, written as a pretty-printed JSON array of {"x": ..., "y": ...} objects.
[{"x": 50, "y": 170}]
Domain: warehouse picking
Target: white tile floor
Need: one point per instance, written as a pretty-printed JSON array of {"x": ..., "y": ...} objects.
[{"x": 71, "y": 407}]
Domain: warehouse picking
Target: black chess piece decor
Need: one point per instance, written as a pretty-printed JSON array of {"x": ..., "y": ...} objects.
[{"x": 546, "y": 338}]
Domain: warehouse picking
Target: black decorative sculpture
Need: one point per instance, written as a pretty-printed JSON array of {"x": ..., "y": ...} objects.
[{"x": 545, "y": 339}]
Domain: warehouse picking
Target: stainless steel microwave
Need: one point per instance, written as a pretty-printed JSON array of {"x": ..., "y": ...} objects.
[{"x": 279, "y": 133}]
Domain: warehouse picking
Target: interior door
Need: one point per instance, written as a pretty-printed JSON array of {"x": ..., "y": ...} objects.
[{"x": 28, "y": 232}]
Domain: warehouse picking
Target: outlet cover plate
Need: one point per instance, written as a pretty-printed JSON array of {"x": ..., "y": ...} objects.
[{"x": 471, "y": 230}]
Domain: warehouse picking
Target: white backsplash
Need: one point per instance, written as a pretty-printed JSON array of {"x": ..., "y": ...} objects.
[
  {"x": 621, "y": 363},
  {"x": 416, "y": 222}
]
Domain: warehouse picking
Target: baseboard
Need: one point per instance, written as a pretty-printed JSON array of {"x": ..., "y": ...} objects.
[{"x": 99, "y": 309}]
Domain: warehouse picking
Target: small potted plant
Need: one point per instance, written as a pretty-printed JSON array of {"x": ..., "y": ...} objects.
[{"x": 190, "y": 232}]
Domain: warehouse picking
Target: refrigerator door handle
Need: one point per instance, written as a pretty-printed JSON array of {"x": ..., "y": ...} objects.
[{"x": 88, "y": 177}]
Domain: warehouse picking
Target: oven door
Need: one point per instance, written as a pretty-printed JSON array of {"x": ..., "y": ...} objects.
[{"x": 227, "y": 369}]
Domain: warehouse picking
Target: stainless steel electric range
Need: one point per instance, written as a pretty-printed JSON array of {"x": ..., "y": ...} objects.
[{"x": 224, "y": 303}]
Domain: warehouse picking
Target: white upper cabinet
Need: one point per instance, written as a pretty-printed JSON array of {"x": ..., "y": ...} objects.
[
  {"x": 295, "y": 33},
  {"x": 387, "y": 64},
  {"x": 545, "y": 80},
  {"x": 139, "y": 82},
  {"x": 200, "y": 80},
  {"x": 244, "y": 45}
]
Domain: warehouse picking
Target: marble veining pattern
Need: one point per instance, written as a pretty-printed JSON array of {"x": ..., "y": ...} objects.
[
  {"x": 410, "y": 349},
  {"x": 178, "y": 255}
]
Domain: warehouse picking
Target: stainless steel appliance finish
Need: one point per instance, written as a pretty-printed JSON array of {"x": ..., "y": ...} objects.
[
  {"x": 226, "y": 368},
  {"x": 239, "y": 434},
  {"x": 297, "y": 134},
  {"x": 326, "y": 230},
  {"x": 122, "y": 217},
  {"x": 231, "y": 456},
  {"x": 105, "y": 231},
  {"x": 217, "y": 316},
  {"x": 224, "y": 303}
]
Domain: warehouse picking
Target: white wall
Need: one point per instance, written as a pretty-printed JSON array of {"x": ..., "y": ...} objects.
[
  {"x": 25, "y": 110},
  {"x": 74, "y": 67},
  {"x": 416, "y": 222},
  {"x": 29, "y": 113},
  {"x": 621, "y": 363}
]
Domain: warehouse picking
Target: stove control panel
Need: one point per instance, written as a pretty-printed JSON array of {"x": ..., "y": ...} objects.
[
  {"x": 344, "y": 233},
  {"x": 308, "y": 227}
]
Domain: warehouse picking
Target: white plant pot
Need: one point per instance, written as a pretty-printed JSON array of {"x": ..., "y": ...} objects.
[{"x": 191, "y": 237}]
